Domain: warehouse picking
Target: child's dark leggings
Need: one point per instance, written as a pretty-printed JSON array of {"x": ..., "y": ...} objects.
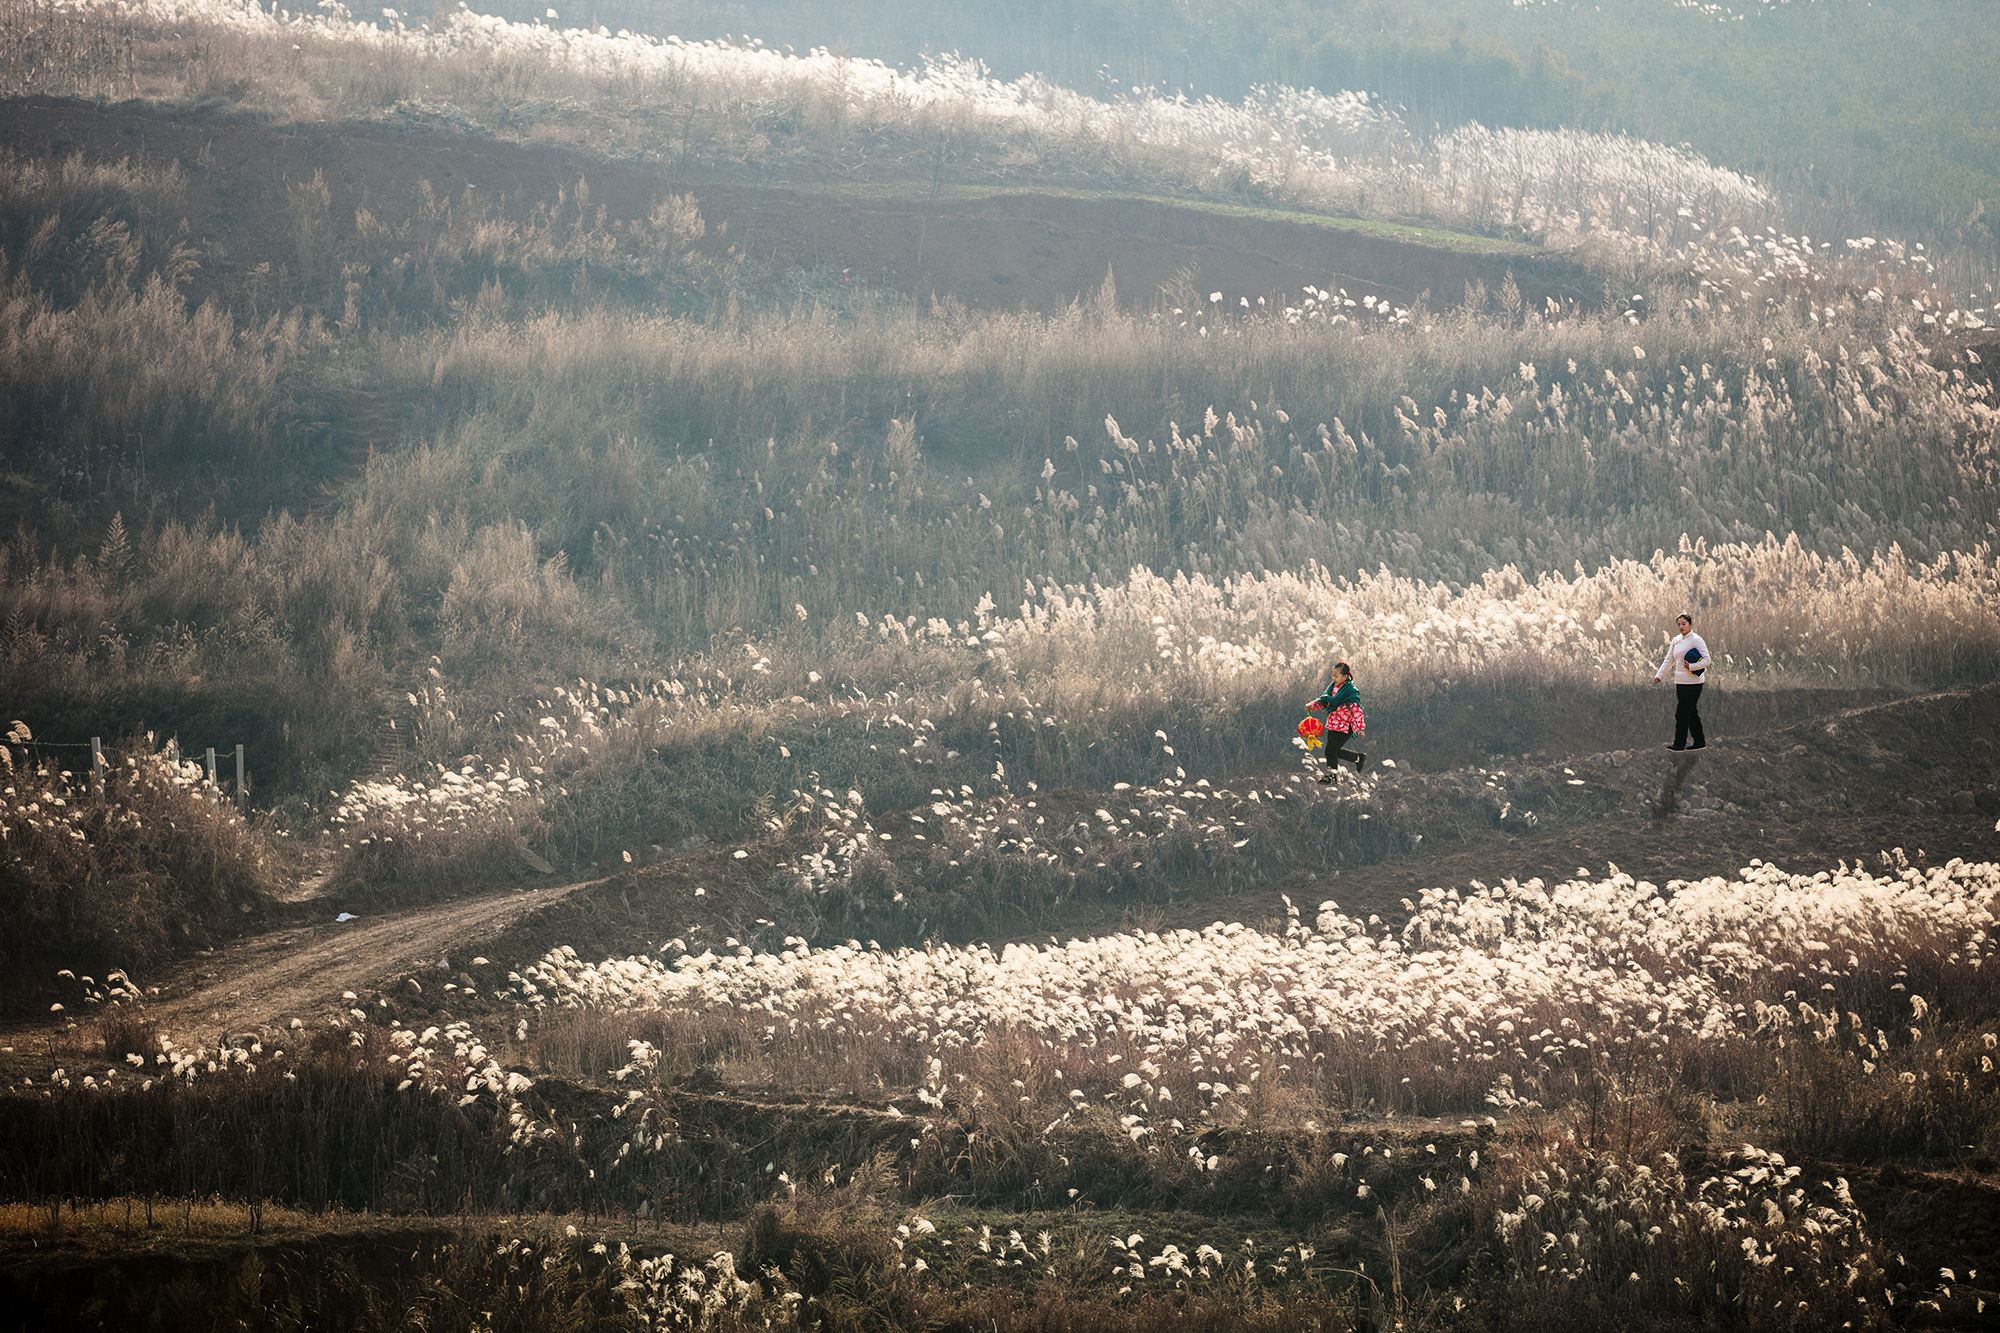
[{"x": 1336, "y": 748}]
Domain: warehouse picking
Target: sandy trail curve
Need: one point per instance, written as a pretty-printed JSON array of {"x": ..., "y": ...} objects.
[{"x": 301, "y": 971}]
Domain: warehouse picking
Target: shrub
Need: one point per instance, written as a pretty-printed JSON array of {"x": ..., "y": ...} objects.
[{"x": 96, "y": 879}]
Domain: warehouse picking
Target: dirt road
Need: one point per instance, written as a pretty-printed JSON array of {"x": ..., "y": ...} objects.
[{"x": 302, "y": 971}]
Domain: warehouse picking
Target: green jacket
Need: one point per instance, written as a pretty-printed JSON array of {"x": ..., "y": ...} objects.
[{"x": 1334, "y": 698}]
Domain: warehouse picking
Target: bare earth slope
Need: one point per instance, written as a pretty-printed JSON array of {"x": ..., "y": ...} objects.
[
  {"x": 306, "y": 969},
  {"x": 989, "y": 246}
]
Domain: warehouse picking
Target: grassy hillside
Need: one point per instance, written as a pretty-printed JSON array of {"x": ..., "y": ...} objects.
[
  {"x": 1878, "y": 109},
  {"x": 508, "y": 433},
  {"x": 768, "y": 597},
  {"x": 512, "y": 415}
]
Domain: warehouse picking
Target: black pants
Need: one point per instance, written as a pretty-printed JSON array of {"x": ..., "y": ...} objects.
[
  {"x": 1687, "y": 716},
  {"x": 1336, "y": 748}
]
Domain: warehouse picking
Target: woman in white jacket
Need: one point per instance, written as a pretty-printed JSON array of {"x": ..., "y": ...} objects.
[{"x": 1687, "y": 658}]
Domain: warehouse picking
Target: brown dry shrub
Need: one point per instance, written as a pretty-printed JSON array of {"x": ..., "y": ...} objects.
[{"x": 123, "y": 878}]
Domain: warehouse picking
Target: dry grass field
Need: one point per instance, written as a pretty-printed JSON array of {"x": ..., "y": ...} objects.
[{"x": 766, "y": 597}]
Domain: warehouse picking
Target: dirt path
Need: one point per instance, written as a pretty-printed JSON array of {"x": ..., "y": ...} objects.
[
  {"x": 1798, "y": 786},
  {"x": 302, "y": 971},
  {"x": 1905, "y": 772},
  {"x": 1800, "y": 794}
]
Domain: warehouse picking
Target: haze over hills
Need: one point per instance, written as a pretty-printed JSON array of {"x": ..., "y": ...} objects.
[{"x": 767, "y": 595}]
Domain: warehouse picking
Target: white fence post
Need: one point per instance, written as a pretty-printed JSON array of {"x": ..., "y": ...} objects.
[
  {"x": 242, "y": 792},
  {"x": 97, "y": 767},
  {"x": 212, "y": 788}
]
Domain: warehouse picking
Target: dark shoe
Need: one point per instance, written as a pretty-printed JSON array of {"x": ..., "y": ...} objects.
[
  {"x": 1323, "y": 779},
  {"x": 1677, "y": 748},
  {"x": 1360, "y": 762}
]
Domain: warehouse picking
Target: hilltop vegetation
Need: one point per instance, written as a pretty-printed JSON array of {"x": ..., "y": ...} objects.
[{"x": 1875, "y": 110}]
